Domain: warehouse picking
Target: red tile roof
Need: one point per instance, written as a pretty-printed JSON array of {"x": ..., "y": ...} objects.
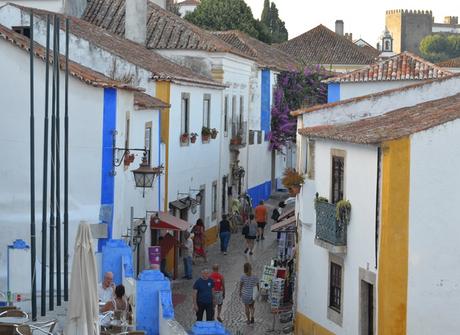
[
  {"x": 368, "y": 96},
  {"x": 322, "y": 46},
  {"x": 266, "y": 55},
  {"x": 145, "y": 101},
  {"x": 392, "y": 125},
  {"x": 159, "y": 66},
  {"x": 76, "y": 70},
  {"x": 165, "y": 30},
  {"x": 404, "y": 66},
  {"x": 454, "y": 62}
]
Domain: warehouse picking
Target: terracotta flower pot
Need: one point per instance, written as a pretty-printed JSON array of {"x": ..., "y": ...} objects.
[
  {"x": 184, "y": 138},
  {"x": 128, "y": 159},
  {"x": 193, "y": 139},
  {"x": 205, "y": 138}
]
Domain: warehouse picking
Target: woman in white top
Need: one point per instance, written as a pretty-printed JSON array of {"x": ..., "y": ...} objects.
[{"x": 119, "y": 304}]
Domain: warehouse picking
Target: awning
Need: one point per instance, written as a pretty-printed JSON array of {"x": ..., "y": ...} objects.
[
  {"x": 287, "y": 213},
  {"x": 169, "y": 222},
  {"x": 183, "y": 203},
  {"x": 286, "y": 225}
]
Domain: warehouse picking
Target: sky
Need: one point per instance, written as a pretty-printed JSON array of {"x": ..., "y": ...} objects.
[{"x": 364, "y": 18}]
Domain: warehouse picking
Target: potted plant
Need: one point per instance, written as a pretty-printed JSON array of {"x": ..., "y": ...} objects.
[
  {"x": 343, "y": 211},
  {"x": 129, "y": 158},
  {"x": 236, "y": 140},
  {"x": 214, "y": 133},
  {"x": 205, "y": 134},
  {"x": 184, "y": 138},
  {"x": 293, "y": 181},
  {"x": 193, "y": 137}
]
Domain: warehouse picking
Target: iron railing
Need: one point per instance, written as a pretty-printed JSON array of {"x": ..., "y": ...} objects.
[{"x": 328, "y": 228}]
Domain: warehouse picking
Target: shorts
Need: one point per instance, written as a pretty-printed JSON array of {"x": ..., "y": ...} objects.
[
  {"x": 261, "y": 224},
  {"x": 218, "y": 297}
]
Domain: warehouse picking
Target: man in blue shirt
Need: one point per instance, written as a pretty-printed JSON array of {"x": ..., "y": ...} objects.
[{"x": 203, "y": 290}]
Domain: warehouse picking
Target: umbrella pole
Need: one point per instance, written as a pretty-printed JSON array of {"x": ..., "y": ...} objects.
[
  {"x": 58, "y": 168},
  {"x": 66, "y": 165},
  {"x": 32, "y": 172}
]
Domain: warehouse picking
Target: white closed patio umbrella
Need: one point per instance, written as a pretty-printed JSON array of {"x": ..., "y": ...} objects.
[{"x": 83, "y": 310}]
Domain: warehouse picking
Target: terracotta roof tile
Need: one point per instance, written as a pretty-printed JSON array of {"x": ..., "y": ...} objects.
[
  {"x": 266, "y": 55},
  {"x": 392, "y": 125},
  {"x": 165, "y": 30},
  {"x": 76, "y": 70},
  {"x": 404, "y": 66},
  {"x": 145, "y": 101},
  {"x": 161, "y": 67},
  {"x": 321, "y": 45},
  {"x": 369, "y": 96},
  {"x": 454, "y": 62}
]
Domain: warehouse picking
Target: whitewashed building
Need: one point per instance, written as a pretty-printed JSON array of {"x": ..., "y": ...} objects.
[
  {"x": 392, "y": 265},
  {"x": 391, "y": 73},
  {"x": 93, "y": 98},
  {"x": 187, "y": 6},
  {"x": 246, "y": 80}
]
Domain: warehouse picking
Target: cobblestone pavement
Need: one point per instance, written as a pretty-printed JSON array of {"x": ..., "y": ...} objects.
[{"x": 232, "y": 268}]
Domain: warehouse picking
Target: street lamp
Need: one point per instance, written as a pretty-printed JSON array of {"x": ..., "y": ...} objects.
[{"x": 144, "y": 175}]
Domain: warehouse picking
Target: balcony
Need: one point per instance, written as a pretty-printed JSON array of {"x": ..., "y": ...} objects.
[{"x": 331, "y": 233}]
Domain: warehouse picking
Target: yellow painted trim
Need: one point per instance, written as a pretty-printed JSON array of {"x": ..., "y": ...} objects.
[
  {"x": 394, "y": 238},
  {"x": 163, "y": 92},
  {"x": 305, "y": 326},
  {"x": 211, "y": 235}
]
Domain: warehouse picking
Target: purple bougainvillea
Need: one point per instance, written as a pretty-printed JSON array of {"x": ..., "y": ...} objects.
[{"x": 295, "y": 89}]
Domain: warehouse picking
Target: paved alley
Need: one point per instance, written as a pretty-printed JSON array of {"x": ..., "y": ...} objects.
[{"x": 232, "y": 268}]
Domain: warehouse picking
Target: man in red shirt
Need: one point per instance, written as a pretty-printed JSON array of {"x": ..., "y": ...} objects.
[
  {"x": 219, "y": 289},
  {"x": 261, "y": 214}
]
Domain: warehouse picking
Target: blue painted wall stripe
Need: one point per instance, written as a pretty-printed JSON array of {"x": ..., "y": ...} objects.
[
  {"x": 265, "y": 102},
  {"x": 333, "y": 92},
  {"x": 107, "y": 179},
  {"x": 260, "y": 192}
]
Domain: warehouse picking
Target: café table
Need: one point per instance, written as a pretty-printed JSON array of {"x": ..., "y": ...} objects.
[{"x": 13, "y": 320}]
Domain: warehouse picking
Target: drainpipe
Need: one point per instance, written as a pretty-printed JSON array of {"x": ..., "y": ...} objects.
[{"x": 377, "y": 204}]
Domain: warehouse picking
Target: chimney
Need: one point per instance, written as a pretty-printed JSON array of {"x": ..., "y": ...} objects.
[
  {"x": 349, "y": 36},
  {"x": 136, "y": 20},
  {"x": 339, "y": 27}
]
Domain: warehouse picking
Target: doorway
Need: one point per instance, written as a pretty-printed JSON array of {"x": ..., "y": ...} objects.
[{"x": 367, "y": 308}]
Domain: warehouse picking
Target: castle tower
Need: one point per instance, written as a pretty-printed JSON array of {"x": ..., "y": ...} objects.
[{"x": 408, "y": 28}]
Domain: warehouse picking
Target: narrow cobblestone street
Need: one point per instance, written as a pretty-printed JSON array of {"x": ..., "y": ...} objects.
[{"x": 232, "y": 268}]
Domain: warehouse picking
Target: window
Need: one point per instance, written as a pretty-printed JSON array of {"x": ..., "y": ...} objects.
[
  {"x": 207, "y": 111},
  {"x": 310, "y": 159},
  {"x": 23, "y": 30},
  {"x": 185, "y": 114},
  {"x": 234, "y": 119},
  {"x": 337, "y": 184},
  {"x": 127, "y": 133},
  {"x": 335, "y": 287},
  {"x": 259, "y": 137},
  {"x": 214, "y": 200},
  {"x": 251, "y": 137},
  {"x": 226, "y": 115},
  {"x": 148, "y": 140}
]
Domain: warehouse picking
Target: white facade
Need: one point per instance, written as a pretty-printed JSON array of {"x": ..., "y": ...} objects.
[
  {"x": 185, "y": 9},
  {"x": 352, "y": 90},
  {"x": 314, "y": 260},
  {"x": 86, "y": 104},
  {"x": 433, "y": 276},
  {"x": 69, "y": 7}
]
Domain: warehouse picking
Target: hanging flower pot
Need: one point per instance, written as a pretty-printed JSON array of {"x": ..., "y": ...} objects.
[
  {"x": 236, "y": 140},
  {"x": 214, "y": 133},
  {"x": 129, "y": 158},
  {"x": 193, "y": 137},
  {"x": 205, "y": 134},
  {"x": 184, "y": 138}
]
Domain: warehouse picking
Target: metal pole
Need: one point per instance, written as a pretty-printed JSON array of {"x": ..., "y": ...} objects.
[
  {"x": 45, "y": 170},
  {"x": 32, "y": 172},
  {"x": 58, "y": 168},
  {"x": 52, "y": 191},
  {"x": 66, "y": 165}
]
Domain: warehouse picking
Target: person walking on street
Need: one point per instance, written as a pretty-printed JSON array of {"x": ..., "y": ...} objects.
[
  {"x": 187, "y": 248},
  {"x": 261, "y": 218},
  {"x": 250, "y": 235},
  {"x": 203, "y": 300},
  {"x": 199, "y": 240},
  {"x": 224, "y": 234},
  {"x": 219, "y": 289},
  {"x": 247, "y": 284}
]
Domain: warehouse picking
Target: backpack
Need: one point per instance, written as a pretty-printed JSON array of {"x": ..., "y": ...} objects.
[{"x": 275, "y": 214}]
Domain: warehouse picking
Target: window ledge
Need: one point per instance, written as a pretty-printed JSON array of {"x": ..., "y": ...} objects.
[
  {"x": 330, "y": 247},
  {"x": 334, "y": 316}
]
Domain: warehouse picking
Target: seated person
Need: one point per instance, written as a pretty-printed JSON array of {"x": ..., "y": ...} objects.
[
  {"x": 119, "y": 304},
  {"x": 105, "y": 289}
]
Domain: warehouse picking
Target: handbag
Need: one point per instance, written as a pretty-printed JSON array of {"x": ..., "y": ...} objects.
[{"x": 255, "y": 294}]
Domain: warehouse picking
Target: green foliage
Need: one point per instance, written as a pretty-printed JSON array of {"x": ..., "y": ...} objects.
[
  {"x": 439, "y": 47},
  {"x": 276, "y": 27},
  {"x": 173, "y": 7},
  {"x": 224, "y": 15},
  {"x": 343, "y": 211}
]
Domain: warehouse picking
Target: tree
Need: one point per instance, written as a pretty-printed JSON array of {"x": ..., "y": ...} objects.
[
  {"x": 276, "y": 27},
  {"x": 173, "y": 7},
  {"x": 224, "y": 15},
  {"x": 439, "y": 47}
]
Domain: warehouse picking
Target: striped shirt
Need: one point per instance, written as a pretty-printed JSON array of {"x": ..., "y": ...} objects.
[{"x": 248, "y": 282}]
